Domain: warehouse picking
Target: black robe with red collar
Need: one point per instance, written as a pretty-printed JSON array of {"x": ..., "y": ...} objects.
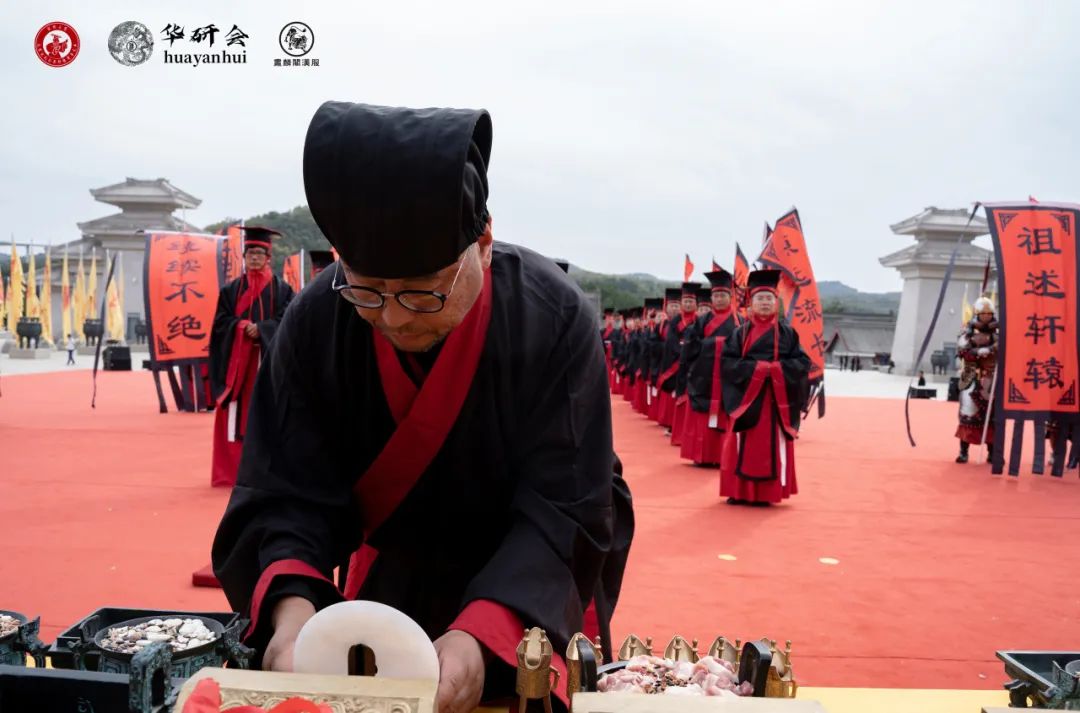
[
  {"x": 521, "y": 518},
  {"x": 675, "y": 334},
  {"x": 702, "y": 353},
  {"x": 748, "y": 383}
]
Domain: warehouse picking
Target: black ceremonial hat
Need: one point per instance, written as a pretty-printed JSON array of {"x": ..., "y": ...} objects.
[
  {"x": 321, "y": 259},
  {"x": 672, "y": 294},
  {"x": 399, "y": 192},
  {"x": 654, "y": 303},
  {"x": 256, "y": 236},
  {"x": 690, "y": 288},
  {"x": 719, "y": 279},
  {"x": 609, "y": 311},
  {"x": 762, "y": 280},
  {"x": 563, "y": 265},
  {"x": 704, "y": 294}
]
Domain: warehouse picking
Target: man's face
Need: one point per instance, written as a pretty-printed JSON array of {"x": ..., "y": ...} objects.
[
  {"x": 764, "y": 303},
  {"x": 412, "y": 331},
  {"x": 618, "y": 322},
  {"x": 721, "y": 299},
  {"x": 703, "y": 308},
  {"x": 689, "y": 303},
  {"x": 255, "y": 259},
  {"x": 672, "y": 309},
  {"x": 986, "y": 317}
]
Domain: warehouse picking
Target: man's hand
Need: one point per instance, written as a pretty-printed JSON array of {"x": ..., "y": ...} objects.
[
  {"x": 461, "y": 673},
  {"x": 252, "y": 330},
  {"x": 290, "y": 615}
]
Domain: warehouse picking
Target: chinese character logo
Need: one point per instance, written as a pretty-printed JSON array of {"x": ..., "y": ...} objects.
[
  {"x": 296, "y": 39},
  {"x": 131, "y": 43},
  {"x": 57, "y": 44}
]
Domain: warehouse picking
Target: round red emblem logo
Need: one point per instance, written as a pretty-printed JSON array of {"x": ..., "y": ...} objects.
[{"x": 57, "y": 44}]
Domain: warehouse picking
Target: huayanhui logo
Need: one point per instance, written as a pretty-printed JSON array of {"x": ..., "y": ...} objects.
[
  {"x": 234, "y": 51},
  {"x": 131, "y": 43}
]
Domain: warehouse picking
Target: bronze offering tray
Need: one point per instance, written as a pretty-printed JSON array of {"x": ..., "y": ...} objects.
[
  {"x": 24, "y": 640},
  {"x": 1043, "y": 679}
]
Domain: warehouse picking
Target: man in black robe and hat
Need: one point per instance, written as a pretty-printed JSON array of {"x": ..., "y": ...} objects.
[
  {"x": 706, "y": 425},
  {"x": 249, "y": 310},
  {"x": 433, "y": 412},
  {"x": 765, "y": 384}
]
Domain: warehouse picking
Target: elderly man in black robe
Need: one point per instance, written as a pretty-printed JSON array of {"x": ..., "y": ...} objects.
[{"x": 433, "y": 412}]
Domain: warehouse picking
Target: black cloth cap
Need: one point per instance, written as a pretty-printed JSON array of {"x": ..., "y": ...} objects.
[
  {"x": 399, "y": 192},
  {"x": 672, "y": 294},
  {"x": 321, "y": 259},
  {"x": 256, "y": 236},
  {"x": 758, "y": 279},
  {"x": 608, "y": 311},
  {"x": 719, "y": 279},
  {"x": 654, "y": 303},
  {"x": 563, "y": 265},
  {"x": 704, "y": 295},
  {"x": 689, "y": 289}
]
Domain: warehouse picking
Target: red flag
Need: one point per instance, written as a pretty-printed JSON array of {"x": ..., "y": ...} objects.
[
  {"x": 740, "y": 275},
  {"x": 688, "y": 269},
  {"x": 715, "y": 267},
  {"x": 1038, "y": 359},
  {"x": 290, "y": 271},
  {"x": 785, "y": 250}
]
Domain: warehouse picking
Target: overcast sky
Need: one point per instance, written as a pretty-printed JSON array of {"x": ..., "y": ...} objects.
[{"x": 625, "y": 133}]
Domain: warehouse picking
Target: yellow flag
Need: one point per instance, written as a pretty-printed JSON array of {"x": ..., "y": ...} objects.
[
  {"x": 91, "y": 289},
  {"x": 65, "y": 301},
  {"x": 46, "y": 299},
  {"x": 78, "y": 300},
  {"x": 15, "y": 290},
  {"x": 33, "y": 307}
]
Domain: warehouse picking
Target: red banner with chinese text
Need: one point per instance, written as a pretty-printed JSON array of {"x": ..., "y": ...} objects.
[
  {"x": 291, "y": 271},
  {"x": 785, "y": 250},
  {"x": 1036, "y": 250},
  {"x": 182, "y": 282}
]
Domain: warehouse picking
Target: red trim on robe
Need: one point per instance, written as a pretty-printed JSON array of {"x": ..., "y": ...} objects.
[
  {"x": 276, "y": 569},
  {"x": 423, "y": 429},
  {"x": 359, "y": 566},
  {"x": 399, "y": 389},
  {"x": 500, "y": 631}
]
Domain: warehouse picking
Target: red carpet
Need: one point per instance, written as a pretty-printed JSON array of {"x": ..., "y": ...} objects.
[{"x": 939, "y": 564}]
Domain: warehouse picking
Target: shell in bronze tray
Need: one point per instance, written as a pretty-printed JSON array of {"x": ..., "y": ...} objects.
[
  {"x": 215, "y": 627},
  {"x": 20, "y": 618}
]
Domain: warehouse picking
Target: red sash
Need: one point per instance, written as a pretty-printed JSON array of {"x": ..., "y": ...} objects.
[
  {"x": 771, "y": 372},
  {"x": 424, "y": 418},
  {"x": 244, "y": 356}
]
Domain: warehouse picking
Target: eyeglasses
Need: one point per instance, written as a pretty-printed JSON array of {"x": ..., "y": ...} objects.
[{"x": 423, "y": 301}]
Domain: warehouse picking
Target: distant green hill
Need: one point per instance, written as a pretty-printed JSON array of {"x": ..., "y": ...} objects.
[{"x": 297, "y": 226}]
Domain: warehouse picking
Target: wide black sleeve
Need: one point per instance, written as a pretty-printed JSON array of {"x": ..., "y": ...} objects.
[
  {"x": 691, "y": 349},
  {"x": 292, "y": 499},
  {"x": 221, "y": 338},
  {"x": 547, "y": 567},
  {"x": 283, "y": 295},
  {"x": 796, "y": 365},
  {"x": 736, "y": 371}
]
